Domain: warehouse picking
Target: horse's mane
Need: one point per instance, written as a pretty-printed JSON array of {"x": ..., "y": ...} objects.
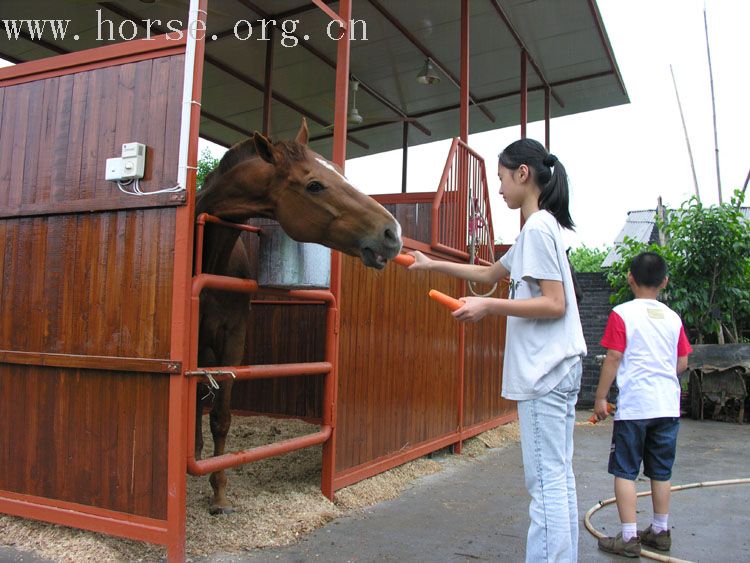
[{"x": 245, "y": 150}]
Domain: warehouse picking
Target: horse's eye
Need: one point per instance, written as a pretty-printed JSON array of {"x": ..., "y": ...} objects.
[{"x": 315, "y": 187}]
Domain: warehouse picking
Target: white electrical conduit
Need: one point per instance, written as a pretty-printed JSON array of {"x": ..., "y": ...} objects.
[
  {"x": 187, "y": 93},
  {"x": 644, "y": 552}
]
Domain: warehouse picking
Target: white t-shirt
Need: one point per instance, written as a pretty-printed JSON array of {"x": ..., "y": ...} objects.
[
  {"x": 539, "y": 352},
  {"x": 651, "y": 337}
]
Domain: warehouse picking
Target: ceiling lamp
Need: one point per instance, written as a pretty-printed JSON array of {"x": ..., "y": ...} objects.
[
  {"x": 428, "y": 75},
  {"x": 354, "y": 117}
]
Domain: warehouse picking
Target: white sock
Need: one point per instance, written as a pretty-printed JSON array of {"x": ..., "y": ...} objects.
[
  {"x": 659, "y": 523},
  {"x": 629, "y": 531}
]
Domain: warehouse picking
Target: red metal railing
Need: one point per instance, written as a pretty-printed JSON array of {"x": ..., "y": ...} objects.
[
  {"x": 203, "y": 281},
  {"x": 461, "y": 208}
]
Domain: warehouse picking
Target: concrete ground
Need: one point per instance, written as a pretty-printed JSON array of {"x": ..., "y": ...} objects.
[{"x": 477, "y": 511}]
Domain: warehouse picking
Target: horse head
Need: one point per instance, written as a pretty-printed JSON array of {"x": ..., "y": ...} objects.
[{"x": 307, "y": 194}]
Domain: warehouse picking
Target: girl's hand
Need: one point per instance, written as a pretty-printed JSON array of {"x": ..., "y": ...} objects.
[
  {"x": 421, "y": 262},
  {"x": 474, "y": 309}
]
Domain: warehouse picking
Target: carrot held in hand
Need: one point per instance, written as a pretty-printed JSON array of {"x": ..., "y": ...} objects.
[
  {"x": 404, "y": 260},
  {"x": 610, "y": 409},
  {"x": 445, "y": 300}
]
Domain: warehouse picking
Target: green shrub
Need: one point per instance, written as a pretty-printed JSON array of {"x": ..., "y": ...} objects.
[
  {"x": 708, "y": 254},
  {"x": 585, "y": 259}
]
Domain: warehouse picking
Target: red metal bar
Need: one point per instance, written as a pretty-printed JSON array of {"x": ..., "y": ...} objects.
[
  {"x": 200, "y": 223},
  {"x": 202, "y": 467},
  {"x": 343, "y": 21},
  {"x": 465, "y": 53},
  {"x": 284, "y": 302},
  {"x": 458, "y": 446},
  {"x": 85, "y": 517},
  {"x": 511, "y": 94},
  {"x": 268, "y": 83},
  {"x": 449, "y": 233},
  {"x": 524, "y": 95},
  {"x": 330, "y": 388},
  {"x": 605, "y": 44},
  {"x": 342, "y": 93},
  {"x": 233, "y": 459},
  {"x": 546, "y": 117},
  {"x": 404, "y": 155},
  {"x": 524, "y": 111},
  {"x": 180, "y": 344},
  {"x": 120, "y": 53},
  {"x": 522, "y": 45},
  {"x": 266, "y": 371},
  {"x": 395, "y": 22}
]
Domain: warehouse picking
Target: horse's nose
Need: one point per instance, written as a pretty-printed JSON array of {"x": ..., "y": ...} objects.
[{"x": 392, "y": 236}]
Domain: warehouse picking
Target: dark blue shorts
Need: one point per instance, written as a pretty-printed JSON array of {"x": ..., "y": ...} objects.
[{"x": 652, "y": 441}]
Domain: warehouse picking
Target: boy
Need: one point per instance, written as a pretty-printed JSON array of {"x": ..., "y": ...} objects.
[{"x": 646, "y": 349}]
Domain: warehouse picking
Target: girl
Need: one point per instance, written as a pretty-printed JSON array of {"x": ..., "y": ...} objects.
[{"x": 544, "y": 343}]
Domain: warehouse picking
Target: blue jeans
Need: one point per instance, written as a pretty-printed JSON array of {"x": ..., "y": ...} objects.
[{"x": 547, "y": 444}]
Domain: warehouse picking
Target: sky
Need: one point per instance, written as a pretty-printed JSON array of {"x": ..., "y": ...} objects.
[{"x": 622, "y": 158}]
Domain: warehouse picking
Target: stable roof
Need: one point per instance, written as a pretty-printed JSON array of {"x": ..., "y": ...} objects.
[{"x": 566, "y": 42}]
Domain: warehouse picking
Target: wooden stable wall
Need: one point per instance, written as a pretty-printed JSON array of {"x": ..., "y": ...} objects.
[
  {"x": 402, "y": 391},
  {"x": 86, "y": 289}
]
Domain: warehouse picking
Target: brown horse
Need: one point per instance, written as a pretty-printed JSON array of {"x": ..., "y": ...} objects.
[{"x": 313, "y": 202}]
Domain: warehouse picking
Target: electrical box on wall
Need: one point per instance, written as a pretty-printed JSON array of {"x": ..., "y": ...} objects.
[{"x": 130, "y": 165}]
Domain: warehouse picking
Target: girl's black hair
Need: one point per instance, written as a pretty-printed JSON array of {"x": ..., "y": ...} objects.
[{"x": 548, "y": 172}]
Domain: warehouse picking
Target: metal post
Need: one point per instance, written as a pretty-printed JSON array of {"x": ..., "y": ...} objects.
[
  {"x": 339, "y": 157},
  {"x": 464, "y": 120},
  {"x": 404, "y": 156},
  {"x": 180, "y": 348},
  {"x": 547, "y": 90},
  {"x": 524, "y": 95},
  {"x": 268, "y": 84}
]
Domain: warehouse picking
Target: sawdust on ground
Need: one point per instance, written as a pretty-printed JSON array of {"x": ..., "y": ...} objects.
[{"x": 276, "y": 501}]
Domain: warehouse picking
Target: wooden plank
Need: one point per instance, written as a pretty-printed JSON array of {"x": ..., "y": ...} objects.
[
  {"x": 101, "y": 363},
  {"x": 88, "y": 434},
  {"x": 93, "y": 59}
]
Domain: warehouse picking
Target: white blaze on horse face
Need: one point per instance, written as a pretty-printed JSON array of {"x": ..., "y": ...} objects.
[{"x": 332, "y": 168}]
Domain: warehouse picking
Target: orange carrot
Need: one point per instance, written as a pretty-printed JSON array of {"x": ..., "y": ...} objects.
[
  {"x": 404, "y": 260},
  {"x": 445, "y": 300},
  {"x": 610, "y": 409}
]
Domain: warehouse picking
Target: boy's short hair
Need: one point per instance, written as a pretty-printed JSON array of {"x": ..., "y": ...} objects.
[{"x": 648, "y": 269}]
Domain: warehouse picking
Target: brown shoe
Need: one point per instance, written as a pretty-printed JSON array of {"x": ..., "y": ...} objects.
[
  {"x": 661, "y": 540},
  {"x": 630, "y": 548}
]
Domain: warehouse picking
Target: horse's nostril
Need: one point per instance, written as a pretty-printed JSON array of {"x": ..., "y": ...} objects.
[{"x": 392, "y": 235}]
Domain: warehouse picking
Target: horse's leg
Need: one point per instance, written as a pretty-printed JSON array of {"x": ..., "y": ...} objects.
[
  {"x": 221, "y": 415},
  {"x": 205, "y": 357},
  {"x": 221, "y": 419}
]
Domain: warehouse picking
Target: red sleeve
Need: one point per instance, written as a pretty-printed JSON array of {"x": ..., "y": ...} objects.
[
  {"x": 615, "y": 336},
  {"x": 683, "y": 346}
]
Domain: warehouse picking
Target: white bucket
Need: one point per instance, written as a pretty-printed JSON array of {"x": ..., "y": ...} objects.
[{"x": 287, "y": 264}]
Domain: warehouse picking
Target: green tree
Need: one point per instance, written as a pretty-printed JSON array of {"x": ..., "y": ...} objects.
[
  {"x": 708, "y": 253},
  {"x": 206, "y": 163},
  {"x": 585, "y": 259}
]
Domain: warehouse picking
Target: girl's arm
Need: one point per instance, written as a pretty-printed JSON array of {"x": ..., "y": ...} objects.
[
  {"x": 471, "y": 272},
  {"x": 549, "y": 305}
]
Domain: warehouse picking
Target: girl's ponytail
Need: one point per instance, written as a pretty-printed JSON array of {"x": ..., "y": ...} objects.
[{"x": 549, "y": 174}]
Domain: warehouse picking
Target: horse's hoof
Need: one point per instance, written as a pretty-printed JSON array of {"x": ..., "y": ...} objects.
[{"x": 216, "y": 510}]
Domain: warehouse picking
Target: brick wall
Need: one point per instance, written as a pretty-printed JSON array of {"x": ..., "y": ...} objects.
[{"x": 594, "y": 310}]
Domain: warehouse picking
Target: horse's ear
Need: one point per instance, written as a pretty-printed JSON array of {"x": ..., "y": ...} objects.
[
  {"x": 303, "y": 134},
  {"x": 264, "y": 148}
]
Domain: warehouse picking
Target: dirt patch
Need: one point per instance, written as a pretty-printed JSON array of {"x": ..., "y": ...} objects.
[{"x": 276, "y": 501}]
